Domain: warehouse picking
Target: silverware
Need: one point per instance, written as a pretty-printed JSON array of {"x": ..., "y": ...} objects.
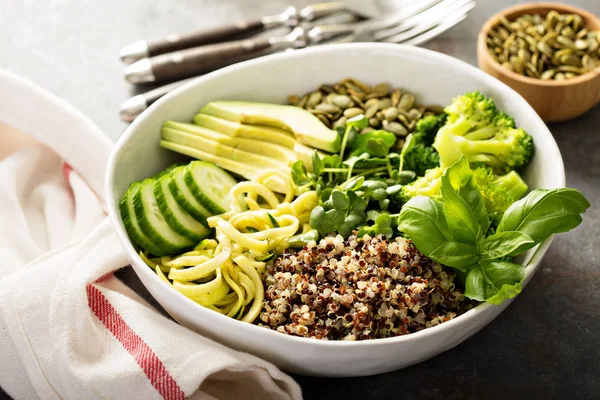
[
  {"x": 290, "y": 17},
  {"x": 202, "y": 59},
  {"x": 135, "y": 105},
  {"x": 414, "y": 25}
]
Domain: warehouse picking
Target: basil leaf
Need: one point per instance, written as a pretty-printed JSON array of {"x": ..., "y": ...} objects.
[
  {"x": 461, "y": 222},
  {"x": 544, "y": 212},
  {"x": 457, "y": 255},
  {"x": 494, "y": 281},
  {"x": 502, "y": 244},
  {"x": 461, "y": 178},
  {"x": 423, "y": 220}
]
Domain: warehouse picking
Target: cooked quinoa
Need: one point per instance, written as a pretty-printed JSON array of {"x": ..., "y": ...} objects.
[{"x": 358, "y": 289}]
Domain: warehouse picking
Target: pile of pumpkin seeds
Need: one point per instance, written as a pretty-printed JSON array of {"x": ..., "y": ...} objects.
[
  {"x": 557, "y": 46},
  {"x": 391, "y": 109}
]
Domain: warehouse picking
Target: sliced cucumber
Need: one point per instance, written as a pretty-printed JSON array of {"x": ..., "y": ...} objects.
[
  {"x": 165, "y": 171},
  {"x": 210, "y": 185},
  {"x": 153, "y": 223},
  {"x": 184, "y": 197},
  {"x": 177, "y": 218},
  {"x": 131, "y": 224}
]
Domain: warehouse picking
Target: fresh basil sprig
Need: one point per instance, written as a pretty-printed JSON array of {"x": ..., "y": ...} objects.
[{"x": 452, "y": 231}]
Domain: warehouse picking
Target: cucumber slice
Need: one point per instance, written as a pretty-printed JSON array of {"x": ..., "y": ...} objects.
[
  {"x": 153, "y": 223},
  {"x": 131, "y": 224},
  {"x": 184, "y": 197},
  {"x": 177, "y": 218},
  {"x": 210, "y": 185}
]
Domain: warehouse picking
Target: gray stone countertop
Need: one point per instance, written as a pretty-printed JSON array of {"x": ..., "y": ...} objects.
[{"x": 546, "y": 345}]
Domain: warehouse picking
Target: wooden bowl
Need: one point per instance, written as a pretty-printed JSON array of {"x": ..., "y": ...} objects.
[{"x": 553, "y": 100}]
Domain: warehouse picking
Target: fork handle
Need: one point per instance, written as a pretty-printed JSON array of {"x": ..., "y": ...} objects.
[
  {"x": 176, "y": 42},
  {"x": 202, "y": 59}
]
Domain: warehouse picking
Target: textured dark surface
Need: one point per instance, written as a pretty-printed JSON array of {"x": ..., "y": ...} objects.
[{"x": 546, "y": 345}]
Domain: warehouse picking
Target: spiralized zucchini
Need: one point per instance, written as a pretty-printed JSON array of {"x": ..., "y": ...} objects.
[{"x": 224, "y": 274}]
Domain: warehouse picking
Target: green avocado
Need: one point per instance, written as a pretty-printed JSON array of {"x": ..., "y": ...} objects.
[
  {"x": 307, "y": 128},
  {"x": 237, "y": 130}
]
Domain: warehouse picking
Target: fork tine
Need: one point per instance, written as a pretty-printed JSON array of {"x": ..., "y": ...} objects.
[
  {"x": 411, "y": 10},
  {"x": 438, "y": 30},
  {"x": 458, "y": 8},
  {"x": 436, "y": 11}
]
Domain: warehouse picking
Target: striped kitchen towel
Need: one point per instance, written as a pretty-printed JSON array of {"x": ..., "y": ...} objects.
[{"x": 69, "y": 329}]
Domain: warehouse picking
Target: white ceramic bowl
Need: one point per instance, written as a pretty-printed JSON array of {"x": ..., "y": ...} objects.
[{"x": 433, "y": 77}]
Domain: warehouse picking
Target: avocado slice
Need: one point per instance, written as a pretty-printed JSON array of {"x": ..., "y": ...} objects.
[
  {"x": 239, "y": 168},
  {"x": 235, "y": 129},
  {"x": 307, "y": 128},
  {"x": 220, "y": 150},
  {"x": 270, "y": 150}
]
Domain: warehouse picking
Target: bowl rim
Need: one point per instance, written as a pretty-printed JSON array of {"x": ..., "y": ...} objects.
[
  {"x": 251, "y": 328},
  {"x": 522, "y": 9}
]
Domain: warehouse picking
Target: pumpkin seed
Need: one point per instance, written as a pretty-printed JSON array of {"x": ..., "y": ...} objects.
[
  {"x": 357, "y": 100},
  {"x": 581, "y": 44},
  {"x": 570, "y": 75},
  {"x": 569, "y": 68},
  {"x": 341, "y": 122},
  {"x": 548, "y": 74},
  {"x": 366, "y": 130},
  {"x": 374, "y": 122},
  {"x": 324, "y": 120},
  {"x": 571, "y": 59},
  {"x": 328, "y": 108},
  {"x": 326, "y": 88},
  {"x": 379, "y": 115},
  {"x": 559, "y": 76},
  {"x": 565, "y": 41},
  {"x": 302, "y": 102},
  {"x": 383, "y": 89},
  {"x": 406, "y": 101},
  {"x": 342, "y": 101},
  {"x": 313, "y": 99},
  {"x": 395, "y": 97},
  {"x": 352, "y": 112},
  {"x": 385, "y": 103},
  {"x": 396, "y": 128},
  {"x": 390, "y": 113},
  {"x": 414, "y": 114},
  {"x": 371, "y": 110}
]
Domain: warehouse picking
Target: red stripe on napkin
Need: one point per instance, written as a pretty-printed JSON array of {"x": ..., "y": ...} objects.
[{"x": 134, "y": 344}]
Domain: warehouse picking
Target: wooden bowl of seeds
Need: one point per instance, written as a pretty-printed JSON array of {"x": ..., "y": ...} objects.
[{"x": 549, "y": 53}]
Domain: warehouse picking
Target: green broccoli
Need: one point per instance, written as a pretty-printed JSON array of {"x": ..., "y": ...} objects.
[
  {"x": 427, "y": 127},
  {"x": 421, "y": 156},
  {"x": 498, "y": 193},
  {"x": 429, "y": 185},
  {"x": 478, "y": 130}
]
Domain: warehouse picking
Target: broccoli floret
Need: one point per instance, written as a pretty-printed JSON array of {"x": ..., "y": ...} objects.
[
  {"x": 486, "y": 136},
  {"x": 513, "y": 184},
  {"x": 429, "y": 185},
  {"x": 496, "y": 198},
  {"x": 427, "y": 127},
  {"x": 421, "y": 156}
]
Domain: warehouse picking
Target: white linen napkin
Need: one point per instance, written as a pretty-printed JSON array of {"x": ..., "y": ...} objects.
[{"x": 69, "y": 329}]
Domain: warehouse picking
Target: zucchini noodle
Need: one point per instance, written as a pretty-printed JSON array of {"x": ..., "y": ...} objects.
[{"x": 224, "y": 274}]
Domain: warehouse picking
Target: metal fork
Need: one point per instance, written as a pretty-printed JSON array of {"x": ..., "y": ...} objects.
[
  {"x": 415, "y": 16},
  {"x": 414, "y": 25},
  {"x": 289, "y": 17}
]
